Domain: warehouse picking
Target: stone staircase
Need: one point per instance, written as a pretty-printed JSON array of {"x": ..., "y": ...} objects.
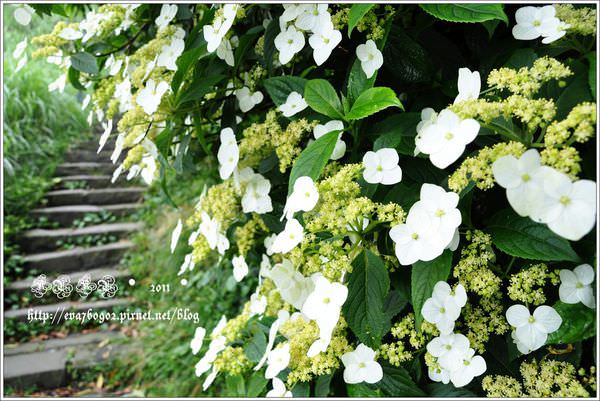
[{"x": 83, "y": 187}]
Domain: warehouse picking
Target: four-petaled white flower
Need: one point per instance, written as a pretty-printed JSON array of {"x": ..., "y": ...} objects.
[
  {"x": 209, "y": 228},
  {"x": 533, "y": 22},
  {"x": 575, "y": 286},
  {"x": 333, "y": 125},
  {"x": 70, "y": 34},
  {"x": 445, "y": 139},
  {"x": 169, "y": 54},
  {"x": 196, "y": 342},
  {"x": 240, "y": 268},
  {"x": 449, "y": 349},
  {"x": 293, "y": 287},
  {"x": 175, "y": 235},
  {"x": 294, "y": 103},
  {"x": 167, "y": 13},
  {"x": 248, "y": 100},
  {"x": 149, "y": 97},
  {"x": 214, "y": 34},
  {"x": 23, "y": 14},
  {"x": 258, "y": 304},
  {"x": 278, "y": 359},
  {"x": 531, "y": 331},
  {"x": 360, "y": 366},
  {"x": 292, "y": 235},
  {"x": 442, "y": 209},
  {"x": 289, "y": 42},
  {"x": 312, "y": 17},
  {"x": 324, "y": 41},
  {"x": 469, "y": 85},
  {"x": 381, "y": 167},
  {"x": 470, "y": 366},
  {"x": 304, "y": 197},
  {"x": 324, "y": 304},
  {"x": 256, "y": 196},
  {"x": 416, "y": 239},
  {"x": 443, "y": 308},
  {"x": 370, "y": 57},
  {"x": 278, "y": 390},
  {"x": 228, "y": 154}
]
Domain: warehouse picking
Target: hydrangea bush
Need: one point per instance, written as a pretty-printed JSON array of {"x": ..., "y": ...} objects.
[{"x": 410, "y": 189}]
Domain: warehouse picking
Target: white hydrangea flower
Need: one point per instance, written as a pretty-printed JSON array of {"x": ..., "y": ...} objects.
[
  {"x": 293, "y": 287},
  {"x": 150, "y": 96},
  {"x": 445, "y": 139},
  {"x": 170, "y": 53},
  {"x": 292, "y": 11},
  {"x": 210, "y": 379},
  {"x": 23, "y": 14},
  {"x": 531, "y": 331},
  {"x": 214, "y": 34},
  {"x": 324, "y": 41},
  {"x": 258, "y": 304},
  {"x": 187, "y": 265},
  {"x": 282, "y": 317},
  {"x": 248, "y": 100},
  {"x": 334, "y": 125},
  {"x": 256, "y": 196},
  {"x": 416, "y": 239},
  {"x": 294, "y": 104},
  {"x": 70, "y": 34},
  {"x": 442, "y": 207},
  {"x": 469, "y": 85},
  {"x": 289, "y": 42},
  {"x": 107, "y": 125},
  {"x": 533, "y": 22},
  {"x": 278, "y": 359},
  {"x": 175, "y": 235},
  {"x": 216, "y": 345},
  {"x": 324, "y": 304},
  {"x": 470, "y": 366},
  {"x": 240, "y": 268},
  {"x": 225, "y": 51},
  {"x": 360, "y": 366},
  {"x": 370, "y": 57},
  {"x": 228, "y": 154},
  {"x": 304, "y": 197},
  {"x": 449, "y": 350},
  {"x": 523, "y": 180},
  {"x": 575, "y": 286},
  {"x": 444, "y": 306},
  {"x": 278, "y": 390},
  {"x": 167, "y": 13},
  {"x": 381, "y": 167},
  {"x": 313, "y": 17},
  {"x": 196, "y": 342},
  {"x": 292, "y": 235}
]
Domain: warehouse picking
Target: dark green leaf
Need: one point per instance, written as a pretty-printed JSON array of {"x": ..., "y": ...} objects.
[
  {"x": 280, "y": 87},
  {"x": 490, "y": 26},
  {"x": 578, "y": 323},
  {"x": 73, "y": 76},
  {"x": 163, "y": 141},
  {"x": 578, "y": 91},
  {"x": 405, "y": 60},
  {"x": 397, "y": 382},
  {"x": 322, "y": 98},
  {"x": 269, "y": 47},
  {"x": 235, "y": 386},
  {"x": 397, "y": 131},
  {"x": 362, "y": 390},
  {"x": 447, "y": 390},
  {"x": 371, "y": 101},
  {"x": 184, "y": 63},
  {"x": 522, "y": 237},
  {"x": 368, "y": 287},
  {"x": 183, "y": 145},
  {"x": 301, "y": 389},
  {"x": 197, "y": 89},
  {"x": 424, "y": 277},
  {"x": 358, "y": 81},
  {"x": 246, "y": 42},
  {"x": 357, "y": 11},
  {"x": 84, "y": 62},
  {"x": 521, "y": 58},
  {"x": 256, "y": 384},
  {"x": 256, "y": 347},
  {"x": 313, "y": 159},
  {"x": 466, "y": 12},
  {"x": 592, "y": 72},
  {"x": 322, "y": 385}
]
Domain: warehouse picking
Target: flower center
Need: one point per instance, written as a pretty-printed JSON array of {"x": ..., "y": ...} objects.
[
  {"x": 326, "y": 300},
  {"x": 442, "y": 310},
  {"x": 379, "y": 168},
  {"x": 449, "y": 136},
  {"x": 448, "y": 347},
  {"x": 290, "y": 41},
  {"x": 326, "y": 40},
  {"x": 467, "y": 363},
  {"x": 579, "y": 285},
  {"x": 565, "y": 200},
  {"x": 525, "y": 177},
  {"x": 537, "y": 22},
  {"x": 439, "y": 213},
  {"x": 371, "y": 57},
  {"x": 414, "y": 236},
  {"x": 362, "y": 365},
  {"x": 291, "y": 236},
  {"x": 307, "y": 194},
  {"x": 531, "y": 319}
]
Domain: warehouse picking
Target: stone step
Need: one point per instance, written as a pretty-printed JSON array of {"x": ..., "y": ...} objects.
[
  {"x": 54, "y": 313},
  {"x": 66, "y": 215},
  {"x": 82, "y": 155},
  {"x": 48, "y": 364},
  {"x": 95, "y": 274},
  {"x": 78, "y": 258},
  {"x": 93, "y": 181},
  {"x": 40, "y": 240},
  {"x": 92, "y": 144},
  {"x": 102, "y": 196},
  {"x": 67, "y": 169}
]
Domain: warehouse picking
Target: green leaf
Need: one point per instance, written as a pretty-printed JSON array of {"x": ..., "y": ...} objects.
[
  {"x": 73, "y": 76},
  {"x": 301, "y": 389},
  {"x": 466, "y": 12},
  {"x": 578, "y": 323},
  {"x": 199, "y": 88},
  {"x": 398, "y": 132},
  {"x": 371, "y": 101},
  {"x": 269, "y": 48},
  {"x": 256, "y": 384},
  {"x": 358, "y": 81},
  {"x": 447, "y": 390},
  {"x": 522, "y": 237},
  {"x": 84, "y": 62},
  {"x": 368, "y": 287},
  {"x": 578, "y": 91},
  {"x": 397, "y": 382},
  {"x": 280, "y": 87},
  {"x": 356, "y": 13},
  {"x": 322, "y": 384},
  {"x": 183, "y": 145},
  {"x": 184, "y": 63},
  {"x": 163, "y": 141},
  {"x": 235, "y": 385},
  {"x": 592, "y": 72},
  {"x": 256, "y": 347},
  {"x": 322, "y": 98},
  {"x": 313, "y": 159},
  {"x": 362, "y": 390},
  {"x": 246, "y": 42},
  {"x": 409, "y": 61},
  {"x": 424, "y": 276}
]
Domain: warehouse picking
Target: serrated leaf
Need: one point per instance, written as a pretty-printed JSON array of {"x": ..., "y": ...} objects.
[
  {"x": 578, "y": 323},
  {"x": 313, "y": 159},
  {"x": 371, "y": 101},
  {"x": 279, "y": 88},
  {"x": 84, "y": 62},
  {"x": 409, "y": 62},
  {"x": 522, "y": 237},
  {"x": 397, "y": 382},
  {"x": 322, "y": 385},
  {"x": 357, "y": 11},
  {"x": 256, "y": 384},
  {"x": 368, "y": 286},
  {"x": 256, "y": 347},
  {"x": 322, "y": 98},
  {"x": 466, "y": 12},
  {"x": 424, "y": 276}
]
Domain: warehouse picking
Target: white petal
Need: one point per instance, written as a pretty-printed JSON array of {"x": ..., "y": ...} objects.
[
  {"x": 391, "y": 177},
  {"x": 548, "y": 318},
  {"x": 585, "y": 274},
  {"x": 505, "y": 172},
  {"x": 517, "y": 315}
]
